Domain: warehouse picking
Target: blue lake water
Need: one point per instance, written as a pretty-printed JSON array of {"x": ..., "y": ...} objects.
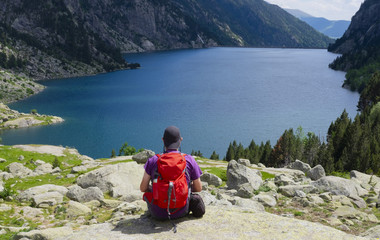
[{"x": 213, "y": 95}]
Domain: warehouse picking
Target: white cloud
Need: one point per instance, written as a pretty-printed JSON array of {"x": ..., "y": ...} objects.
[{"x": 330, "y": 9}]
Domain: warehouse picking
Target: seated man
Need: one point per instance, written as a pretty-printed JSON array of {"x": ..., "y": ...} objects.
[{"x": 161, "y": 167}]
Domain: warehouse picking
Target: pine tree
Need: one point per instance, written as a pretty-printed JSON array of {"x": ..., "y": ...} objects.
[
  {"x": 113, "y": 153},
  {"x": 230, "y": 153},
  {"x": 214, "y": 156}
]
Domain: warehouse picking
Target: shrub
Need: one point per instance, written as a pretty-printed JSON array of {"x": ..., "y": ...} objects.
[
  {"x": 57, "y": 163},
  {"x": 29, "y": 91},
  {"x": 126, "y": 150},
  {"x": 33, "y": 111},
  {"x": 6, "y": 192}
]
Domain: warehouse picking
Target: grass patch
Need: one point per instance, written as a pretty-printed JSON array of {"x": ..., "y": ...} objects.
[
  {"x": 221, "y": 173},
  {"x": 116, "y": 162},
  {"x": 341, "y": 174},
  {"x": 262, "y": 189},
  {"x": 266, "y": 175},
  {"x": 12, "y": 154},
  {"x": 25, "y": 183}
]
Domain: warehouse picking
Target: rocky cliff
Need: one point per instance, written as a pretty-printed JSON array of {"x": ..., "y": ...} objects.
[{"x": 360, "y": 44}]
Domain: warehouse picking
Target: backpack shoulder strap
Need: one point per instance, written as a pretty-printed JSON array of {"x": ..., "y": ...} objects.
[{"x": 156, "y": 174}]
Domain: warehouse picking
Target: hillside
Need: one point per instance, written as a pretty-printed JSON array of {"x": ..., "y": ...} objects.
[
  {"x": 360, "y": 46},
  {"x": 50, "y": 192},
  {"x": 331, "y": 28}
]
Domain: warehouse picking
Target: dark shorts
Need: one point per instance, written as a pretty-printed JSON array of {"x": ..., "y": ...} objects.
[{"x": 195, "y": 205}]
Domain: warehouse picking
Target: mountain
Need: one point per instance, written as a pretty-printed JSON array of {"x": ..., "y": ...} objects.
[
  {"x": 360, "y": 46},
  {"x": 44, "y": 39},
  {"x": 331, "y": 28}
]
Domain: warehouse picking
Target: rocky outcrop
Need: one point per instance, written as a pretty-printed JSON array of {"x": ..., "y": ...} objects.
[
  {"x": 30, "y": 193},
  {"x": 223, "y": 223},
  {"x": 316, "y": 173},
  {"x": 340, "y": 186},
  {"x": 118, "y": 180},
  {"x": 13, "y": 119},
  {"x": 238, "y": 174},
  {"x": 48, "y": 234},
  {"x": 299, "y": 165},
  {"x": 143, "y": 156},
  {"x": 79, "y": 194},
  {"x": 242, "y": 208},
  {"x": 18, "y": 170},
  {"x": 211, "y": 179},
  {"x": 360, "y": 41},
  {"x": 75, "y": 209}
]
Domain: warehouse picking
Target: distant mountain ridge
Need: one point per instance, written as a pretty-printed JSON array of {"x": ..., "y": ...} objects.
[{"x": 331, "y": 28}]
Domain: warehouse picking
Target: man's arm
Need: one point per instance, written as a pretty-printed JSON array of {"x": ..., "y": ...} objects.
[
  {"x": 197, "y": 185},
  {"x": 144, "y": 185}
]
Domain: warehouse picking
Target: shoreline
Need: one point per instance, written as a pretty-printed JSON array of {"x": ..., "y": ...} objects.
[{"x": 12, "y": 119}]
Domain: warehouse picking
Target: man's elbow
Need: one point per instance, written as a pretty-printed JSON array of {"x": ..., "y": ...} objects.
[
  {"x": 197, "y": 185},
  {"x": 143, "y": 188}
]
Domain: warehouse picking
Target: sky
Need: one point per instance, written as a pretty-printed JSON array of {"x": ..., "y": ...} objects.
[{"x": 330, "y": 9}]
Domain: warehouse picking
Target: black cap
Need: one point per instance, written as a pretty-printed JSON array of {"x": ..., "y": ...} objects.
[{"x": 172, "y": 137}]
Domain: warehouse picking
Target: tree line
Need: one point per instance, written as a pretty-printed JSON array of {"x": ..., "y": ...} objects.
[{"x": 351, "y": 144}]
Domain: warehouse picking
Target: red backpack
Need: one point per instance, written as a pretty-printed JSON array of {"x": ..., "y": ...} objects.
[{"x": 170, "y": 187}]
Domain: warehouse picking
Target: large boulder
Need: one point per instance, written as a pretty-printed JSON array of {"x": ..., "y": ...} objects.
[
  {"x": 28, "y": 194},
  {"x": 372, "y": 181},
  {"x": 316, "y": 173},
  {"x": 249, "y": 204},
  {"x": 211, "y": 179},
  {"x": 45, "y": 234},
  {"x": 267, "y": 199},
  {"x": 299, "y": 165},
  {"x": 30, "y": 213},
  {"x": 373, "y": 233},
  {"x": 119, "y": 179},
  {"x": 143, "y": 156},
  {"x": 18, "y": 170},
  {"x": 44, "y": 168},
  {"x": 238, "y": 174},
  {"x": 245, "y": 162},
  {"x": 291, "y": 190},
  {"x": 75, "y": 209},
  {"x": 283, "y": 180},
  {"x": 79, "y": 194},
  {"x": 340, "y": 186},
  {"x": 47, "y": 199}
]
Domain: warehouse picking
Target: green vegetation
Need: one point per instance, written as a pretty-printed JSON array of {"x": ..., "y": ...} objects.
[
  {"x": 127, "y": 150},
  {"x": 12, "y": 154},
  {"x": 266, "y": 175},
  {"x": 351, "y": 144},
  {"x": 196, "y": 153},
  {"x": 262, "y": 189},
  {"x": 214, "y": 156},
  {"x": 113, "y": 153},
  {"x": 220, "y": 172}
]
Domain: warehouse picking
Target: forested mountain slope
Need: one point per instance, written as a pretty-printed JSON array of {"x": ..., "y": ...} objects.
[{"x": 360, "y": 46}]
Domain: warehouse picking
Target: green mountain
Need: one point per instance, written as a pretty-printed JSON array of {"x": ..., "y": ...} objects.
[
  {"x": 360, "y": 46},
  {"x": 44, "y": 39}
]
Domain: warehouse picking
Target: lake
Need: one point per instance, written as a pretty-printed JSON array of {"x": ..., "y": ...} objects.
[{"x": 214, "y": 96}]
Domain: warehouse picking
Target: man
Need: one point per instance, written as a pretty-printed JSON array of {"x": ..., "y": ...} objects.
[{"x": 172, "y": 141}]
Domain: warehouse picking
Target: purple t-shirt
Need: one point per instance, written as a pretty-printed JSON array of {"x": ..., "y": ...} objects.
[{"x": 193, "y": 170}]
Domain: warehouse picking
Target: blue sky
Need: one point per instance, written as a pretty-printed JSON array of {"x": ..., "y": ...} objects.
[{"x": 330, "y": 9}]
